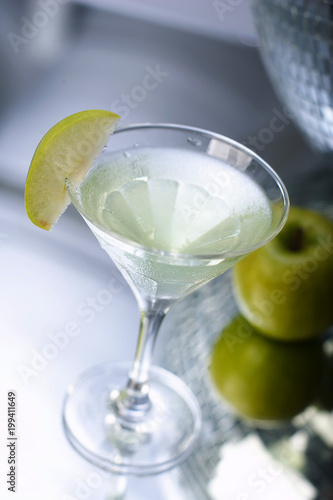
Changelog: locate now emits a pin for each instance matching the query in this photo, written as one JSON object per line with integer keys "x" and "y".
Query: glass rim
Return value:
{"x": 133, "y": 245}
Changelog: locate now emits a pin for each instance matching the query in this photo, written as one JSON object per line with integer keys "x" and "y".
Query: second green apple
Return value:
{"x": 285, "y": 289}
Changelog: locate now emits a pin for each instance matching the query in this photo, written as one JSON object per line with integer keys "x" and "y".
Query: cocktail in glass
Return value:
{"x": 174, "y": 207}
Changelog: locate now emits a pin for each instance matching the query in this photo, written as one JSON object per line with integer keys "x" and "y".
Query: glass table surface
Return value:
{"x": 232, "y": 460}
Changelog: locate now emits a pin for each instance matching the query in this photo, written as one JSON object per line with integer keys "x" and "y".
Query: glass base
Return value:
{"x": 161, "y": 439}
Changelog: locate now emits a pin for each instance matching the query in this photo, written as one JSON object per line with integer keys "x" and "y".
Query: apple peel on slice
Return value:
{"x": 67, "y": 150}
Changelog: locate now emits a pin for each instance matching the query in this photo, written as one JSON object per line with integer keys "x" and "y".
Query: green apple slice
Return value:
{"x": 67, "y": 150}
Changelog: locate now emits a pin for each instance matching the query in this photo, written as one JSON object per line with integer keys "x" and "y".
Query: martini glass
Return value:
{"x": 174, "y": 207}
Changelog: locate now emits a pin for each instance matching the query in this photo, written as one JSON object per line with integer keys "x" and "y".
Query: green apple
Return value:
{"x": 261, "y": 378}
{"x": 285, "y": 288}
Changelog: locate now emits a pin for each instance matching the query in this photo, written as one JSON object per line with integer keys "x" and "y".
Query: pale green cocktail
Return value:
{"x": 174, "y": 207}
{"x": 177, "y": 201}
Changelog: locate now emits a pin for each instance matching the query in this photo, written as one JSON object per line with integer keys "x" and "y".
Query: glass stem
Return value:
{"x": 134, "y": 401}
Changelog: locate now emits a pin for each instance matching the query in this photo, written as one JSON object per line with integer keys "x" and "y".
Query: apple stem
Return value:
{"x": 297, "y": 240}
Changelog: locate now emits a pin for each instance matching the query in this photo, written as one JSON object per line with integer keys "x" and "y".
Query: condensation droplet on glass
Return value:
{"x": 194, "y": 141}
